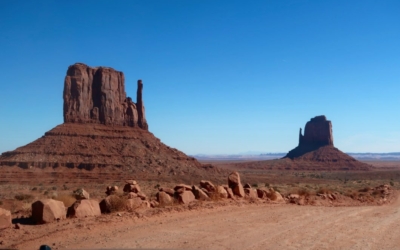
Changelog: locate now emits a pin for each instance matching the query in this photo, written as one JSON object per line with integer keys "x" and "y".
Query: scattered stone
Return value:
{"x": 279, "y": 198}
{"x": 111, "y": 190}
{"x": 131, "y": 182}
{"x": 186, "y": 197}
{"x": 230, "y": 193}
{"x": 169, "y": 191}
{"x": 84, "y": 208}
{"x": 132, "y": 195}
{"x": 235, "y": 185}
{"x": 199, "y": 194}
{"x": 48, "y": 210}
{"x": 261, "y": 193}
{"x": 222, "y": 192}
{"x": 207, "y": 185}
{"x": 141, "y": 195}
{"x": 135, "y": 188}
{"x": 183, "y": 186}
{"x": 154, "y": 204}
{"x": 133, "y": 204}
{"x": 81, "y": 194}
{"x": 164, "y": 199}
{"x": 251, "y": 193}
{"x": 108, "y": 204}
{"x": 17, "y": 226}
{"x": 180, "y": 190}
{"x": 5, "y": 218}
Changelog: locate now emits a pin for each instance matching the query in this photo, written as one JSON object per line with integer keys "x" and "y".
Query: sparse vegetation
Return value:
{"x": 24, "y": 197}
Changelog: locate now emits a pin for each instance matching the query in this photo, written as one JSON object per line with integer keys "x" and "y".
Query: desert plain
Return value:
{"x": 102, "y": 180}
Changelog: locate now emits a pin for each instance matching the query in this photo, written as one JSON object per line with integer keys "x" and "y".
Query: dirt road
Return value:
{"x": 233, "y": 227}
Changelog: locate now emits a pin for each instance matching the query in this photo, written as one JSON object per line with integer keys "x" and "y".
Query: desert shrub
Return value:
{"x": 366, "y": 189}
{"x": 65, "y": 187}
{"x": 54, "y": 188}
{"x": 22, "y": 197}
{"x": 68, "y": 200}
{"x": 391, "y": 183}
{"x": 117, "y": 203}
{"x": 255, "y": 185}
{"x": 1, "y": 203}
{"x": 266, "y": 184}
{"x": 157, "y": 186}
{"x": 34, "y": 188}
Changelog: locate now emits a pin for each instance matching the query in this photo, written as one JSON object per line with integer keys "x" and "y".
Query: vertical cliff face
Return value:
{"x": 97, "y": 95}
{"x": 318, "y": 132}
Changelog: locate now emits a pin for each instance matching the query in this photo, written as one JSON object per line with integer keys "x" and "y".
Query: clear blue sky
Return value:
{"x": 219, "y": 76}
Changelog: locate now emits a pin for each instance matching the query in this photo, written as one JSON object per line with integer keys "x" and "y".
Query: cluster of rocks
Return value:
{"x": 135, "y": 198}
{"x": 206, "y": 190}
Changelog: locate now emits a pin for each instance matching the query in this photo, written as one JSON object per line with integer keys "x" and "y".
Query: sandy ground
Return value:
{"x": 234, "y": 226}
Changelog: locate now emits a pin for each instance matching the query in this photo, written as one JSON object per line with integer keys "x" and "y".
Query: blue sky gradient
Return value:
{"x": 219, "y": 76}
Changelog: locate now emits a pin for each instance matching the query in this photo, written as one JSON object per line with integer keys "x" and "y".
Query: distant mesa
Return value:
{"x": 316, "y": 146}
{"x": 103, "y": 129}
{"x": 315, "y": 152}
{"x": 317, "y": 133}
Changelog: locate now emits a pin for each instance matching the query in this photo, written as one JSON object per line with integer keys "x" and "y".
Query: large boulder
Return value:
{"x": 135, "y": 188}
{"x": 261, "y": 193}
{"x": 48, "y": 210}
{"x": 251, "y": 193}
{"x": 186, "y": 197}
{"x": 112, "y": 203}
{"x": 199, "y": 194}
{"x": 183, "y": 186}
{"x": 169, "y": 191}
{"x": 84, "y": 208}
{"x": 5, "y": 218}
{"x": 230, "y": 193}
{"x": 235, "y": 184}
{"x": 222, "y": 192}
{"x": 163, "y": 198}
{"x": 207, "y": 185}
{"x": 133, "y": 204}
